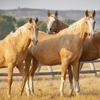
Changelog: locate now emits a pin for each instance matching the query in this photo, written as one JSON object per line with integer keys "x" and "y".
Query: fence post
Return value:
{"x": 93, "y": 68}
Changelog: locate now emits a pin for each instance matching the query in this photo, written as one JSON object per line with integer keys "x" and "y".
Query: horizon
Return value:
{"x": 49, "y": 9}
{"x": 51, "y": 4}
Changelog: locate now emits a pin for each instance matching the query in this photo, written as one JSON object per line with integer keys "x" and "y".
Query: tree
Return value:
{"x": 21, "y": 22}
{"x": 42, "y": 26}
{"x": 6, "y": 25}
{"x": 69, "y": 21}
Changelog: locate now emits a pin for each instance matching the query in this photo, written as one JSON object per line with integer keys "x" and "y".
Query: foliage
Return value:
{"x": 6, "y": 25}
{"x": 21, "y": 21}
{"x": 42, "y": 26}
{"x": 9, "y": 23}
{"x": 69, "y": 21}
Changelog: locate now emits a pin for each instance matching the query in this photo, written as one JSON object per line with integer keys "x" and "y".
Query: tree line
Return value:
{"x": 9, "y": 23}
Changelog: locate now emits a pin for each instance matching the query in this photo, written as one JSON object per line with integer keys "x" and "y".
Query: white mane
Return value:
{"x": 75, "y": 25}
{"x": 20, "y": 30}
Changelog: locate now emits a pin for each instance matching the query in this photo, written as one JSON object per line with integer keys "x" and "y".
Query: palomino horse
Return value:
{"x": 42, "y": 36}
{"x": 13, "y": 50}
{"x": 64, "y": 48}
{"x": 54, "y": 24}
{"x": 90, "y": 48}
{"x": 91, "y": 51}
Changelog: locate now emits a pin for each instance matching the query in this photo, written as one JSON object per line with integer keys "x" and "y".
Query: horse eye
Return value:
{"x": 86, "y": 22}
{"x": 94, "y": 21}
{"x": 37, "y": 28}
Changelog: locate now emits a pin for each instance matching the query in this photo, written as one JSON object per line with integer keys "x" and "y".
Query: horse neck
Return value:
{"x": 60, "y": 26}
{"x": 96, "y": 40}
{"x": 22, "y": 41}
{"x": 77, "y": 32}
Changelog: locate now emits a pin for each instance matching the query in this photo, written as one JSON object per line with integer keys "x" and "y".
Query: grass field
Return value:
{"x": 47, "y": 87}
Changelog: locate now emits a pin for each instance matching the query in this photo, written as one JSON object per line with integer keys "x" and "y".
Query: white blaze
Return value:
{"x": 51, "y": 22}
{"x": 35, "y": 33}
{"x": 90, "y": 22}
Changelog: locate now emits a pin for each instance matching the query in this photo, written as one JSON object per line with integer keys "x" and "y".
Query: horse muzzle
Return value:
{"x": 49, "y": 31}
{"x": 35, "y": 42}
{"x": 91, "y": 35}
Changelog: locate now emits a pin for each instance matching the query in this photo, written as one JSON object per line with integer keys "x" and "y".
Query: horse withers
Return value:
{"x": 64, "y": 48}
{"x": 13, "y": 50}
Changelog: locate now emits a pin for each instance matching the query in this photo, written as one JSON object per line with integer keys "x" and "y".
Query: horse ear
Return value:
{"x": 30, "y": 20}
{"x": 94, "y": 13}
{"x": 36, "y": 20}
{"x": 86, "y": 13}
{"x": 48, "y": 13}
{"x": 56, "y": 13}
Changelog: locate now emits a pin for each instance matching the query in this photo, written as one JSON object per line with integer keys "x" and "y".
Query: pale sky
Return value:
{"x": 51, "y": 4}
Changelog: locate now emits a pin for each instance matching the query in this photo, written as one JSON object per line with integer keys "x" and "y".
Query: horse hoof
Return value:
{"x": 28, "y": 94}
{"x": 70, "y": 93}
{"x": 77, "y": 93}
{"x": 62, "y": 95}
{"x": 32, "y": 93}
{"x": 20, "y": 93}
{"x": 9, "y": 95}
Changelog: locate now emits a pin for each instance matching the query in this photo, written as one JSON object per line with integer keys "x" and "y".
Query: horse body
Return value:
{"x": 64, "y": 48}
{"x": 91, "y": 48}
{"x": 13, "y": 50}
{"x": 50, "y": 55}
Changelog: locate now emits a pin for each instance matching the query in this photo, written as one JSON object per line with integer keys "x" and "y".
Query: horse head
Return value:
{"x": 33, "y": 30}
{"x": 52, "y": 22}
{"x": 90, "y": 23}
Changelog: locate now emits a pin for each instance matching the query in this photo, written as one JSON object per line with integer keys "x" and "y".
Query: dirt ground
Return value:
{"x": 47, "y": 87}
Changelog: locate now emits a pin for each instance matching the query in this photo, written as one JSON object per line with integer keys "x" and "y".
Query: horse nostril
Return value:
{"x": 89, "y": 34}
{"x": 50, "y": 29}
{"x": 93, "y": 35}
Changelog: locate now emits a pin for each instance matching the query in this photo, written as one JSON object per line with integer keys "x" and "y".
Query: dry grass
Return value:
{"x": 47, "y": 87}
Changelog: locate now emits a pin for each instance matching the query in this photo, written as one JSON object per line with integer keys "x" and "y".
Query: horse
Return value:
{"x": 65, "y": 48}
{"x": 91, "y": 51}
{"x": 54, "y": 24}
{"x": 13, "y": 50}
{"x": 42, "y": 36}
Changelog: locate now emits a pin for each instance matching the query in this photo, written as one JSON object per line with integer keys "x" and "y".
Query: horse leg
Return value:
{"x": 10, "y": 80}
{"x": 27, "y": 67}
{"x": 81, "y": 65}
{"x": 75, "y": 65}
{"x": 32, "y": 72}
{"x": 22, "y": 71}
{"x": 39, "y": 68}
{"x": 64, "y": 67}
{"x": 70, "y": 73}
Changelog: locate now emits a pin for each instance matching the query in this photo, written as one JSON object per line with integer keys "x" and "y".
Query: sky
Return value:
{"x": 51, "y": 4}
